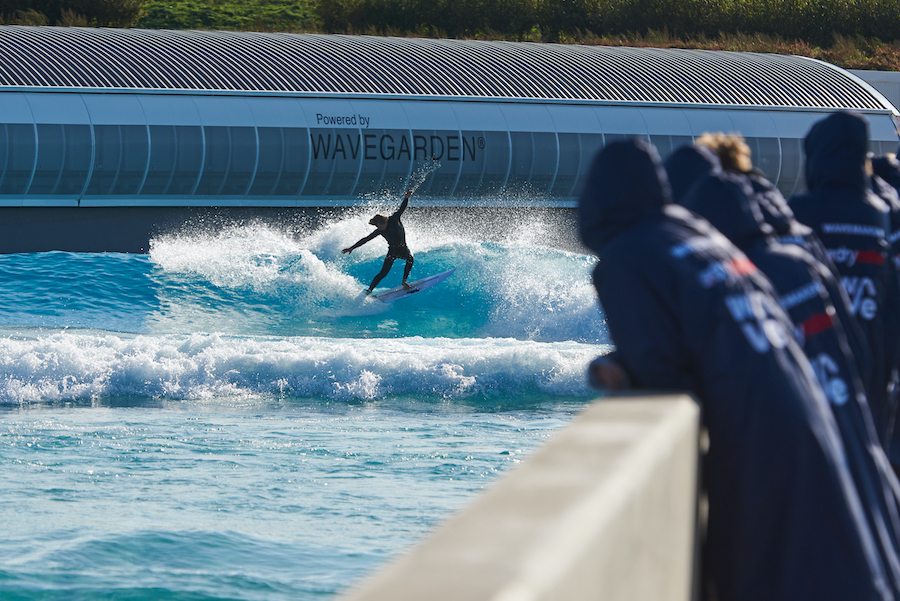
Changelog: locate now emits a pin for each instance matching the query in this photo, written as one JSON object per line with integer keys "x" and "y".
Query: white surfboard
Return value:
{"x": 389, "y": 296}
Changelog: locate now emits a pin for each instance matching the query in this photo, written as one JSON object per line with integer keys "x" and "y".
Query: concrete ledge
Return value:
{"x": 604, "y": 510}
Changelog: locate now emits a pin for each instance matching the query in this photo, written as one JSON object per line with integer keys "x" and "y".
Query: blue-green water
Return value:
{"x": 229, "y": 417}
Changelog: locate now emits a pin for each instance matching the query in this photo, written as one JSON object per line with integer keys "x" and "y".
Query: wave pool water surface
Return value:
{"x": 229, "y": 417}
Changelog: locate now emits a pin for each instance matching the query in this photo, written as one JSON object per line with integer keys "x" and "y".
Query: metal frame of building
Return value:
{"x": 139, "y": 118}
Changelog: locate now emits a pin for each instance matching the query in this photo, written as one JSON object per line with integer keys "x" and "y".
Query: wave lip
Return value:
{"x": 257, "y": 281}
{"x": 77, "y": 366}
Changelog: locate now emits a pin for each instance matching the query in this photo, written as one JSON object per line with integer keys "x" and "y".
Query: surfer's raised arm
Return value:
{"x": 403, "y": 204}
{"x": 362, "y": 241}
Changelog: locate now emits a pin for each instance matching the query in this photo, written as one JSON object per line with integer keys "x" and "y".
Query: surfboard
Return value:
{"x": 389, "y": 296}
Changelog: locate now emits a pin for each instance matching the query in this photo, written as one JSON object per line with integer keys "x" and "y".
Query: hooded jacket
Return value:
{"x": 688, "y": 311}
{"x": 888, "y": 169}
{"x": 777, "y": 213}
{"x": 691, "y": 164}
{"x": 853, "y": 224}
{"x": 687, "y": 166}
{"x": 886, "y": 184}
{"x": 799, "y": 279}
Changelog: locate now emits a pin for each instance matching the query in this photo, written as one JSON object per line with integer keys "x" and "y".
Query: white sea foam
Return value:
{"x": 66, "y": 365}
{"x": 256, "y": 311}
{"x": 261, "y": 281}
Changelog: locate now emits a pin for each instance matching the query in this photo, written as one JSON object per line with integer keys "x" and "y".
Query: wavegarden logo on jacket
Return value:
{"x": 693, "y": 246}
{"x": 802, "y": 294}
{"x": 854, "y": 229}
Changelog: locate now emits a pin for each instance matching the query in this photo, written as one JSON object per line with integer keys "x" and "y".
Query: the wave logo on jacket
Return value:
{"x": 828, "y": 374}
{"x": 757, "y": 314}
{"x": 863, "y": 296}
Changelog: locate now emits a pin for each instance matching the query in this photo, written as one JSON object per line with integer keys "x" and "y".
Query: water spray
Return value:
{"x": 418, "y": 177}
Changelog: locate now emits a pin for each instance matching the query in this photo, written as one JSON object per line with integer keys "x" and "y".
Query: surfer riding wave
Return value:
{"x": 392, "y": 230}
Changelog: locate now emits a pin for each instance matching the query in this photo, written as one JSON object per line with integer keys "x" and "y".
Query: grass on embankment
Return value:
{"x": 238, "y": 15}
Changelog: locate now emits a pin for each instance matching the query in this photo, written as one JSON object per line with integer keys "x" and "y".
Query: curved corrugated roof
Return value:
{"x": 135, "y": 59}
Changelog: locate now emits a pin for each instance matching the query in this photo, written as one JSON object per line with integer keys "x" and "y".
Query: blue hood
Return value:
{"x": 725, "y": 201}
{"x": 625, "y": 184}
{"x": 888, "y": 169}
{"x": 774, "y": 208}
{"x": 836, "y": 150}
{"x": 687, "y": 166}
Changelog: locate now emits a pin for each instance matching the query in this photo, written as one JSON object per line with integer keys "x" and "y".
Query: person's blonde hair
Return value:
{"x": 733, "y": 152}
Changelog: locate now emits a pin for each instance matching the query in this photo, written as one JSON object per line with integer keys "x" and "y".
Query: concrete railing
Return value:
{"x": 605, "y": 510}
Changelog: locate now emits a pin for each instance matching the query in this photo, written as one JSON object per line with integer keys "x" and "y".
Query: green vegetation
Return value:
{"x": 847, "y": 52}
{"x": 814, "y": 21}
{"x": 862, "y": 34}
{"x": 237, "y": 15}
{"x": 96, "y": 13}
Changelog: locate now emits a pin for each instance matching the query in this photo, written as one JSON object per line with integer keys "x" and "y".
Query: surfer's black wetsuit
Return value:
{"x": 395, "y": 235}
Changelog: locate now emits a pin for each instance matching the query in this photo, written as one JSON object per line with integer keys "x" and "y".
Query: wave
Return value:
{"x": 80, "y": 290}
{"x": 256, "y": 311}
{"x": 53, "y": 366}
{"x": 255, "y": 280}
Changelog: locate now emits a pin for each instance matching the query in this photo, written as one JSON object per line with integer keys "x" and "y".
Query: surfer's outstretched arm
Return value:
{"x": 371, "y": 236}
{"x": 403, "y": 204}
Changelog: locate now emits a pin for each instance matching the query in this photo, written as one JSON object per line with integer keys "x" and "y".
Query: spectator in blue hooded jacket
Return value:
{"x": 731, "y": 154}
{"x": 726, "y": 201}
{"x": 886, "y": 184}
{"x": 854, "y": 224}
{"x": 688, "y": 311}
{"x": 735, "y": 157}
{"x": 889, "y": 194}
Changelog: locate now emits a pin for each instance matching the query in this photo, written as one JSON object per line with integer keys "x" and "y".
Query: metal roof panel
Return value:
{"x": 315, "y": 64}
